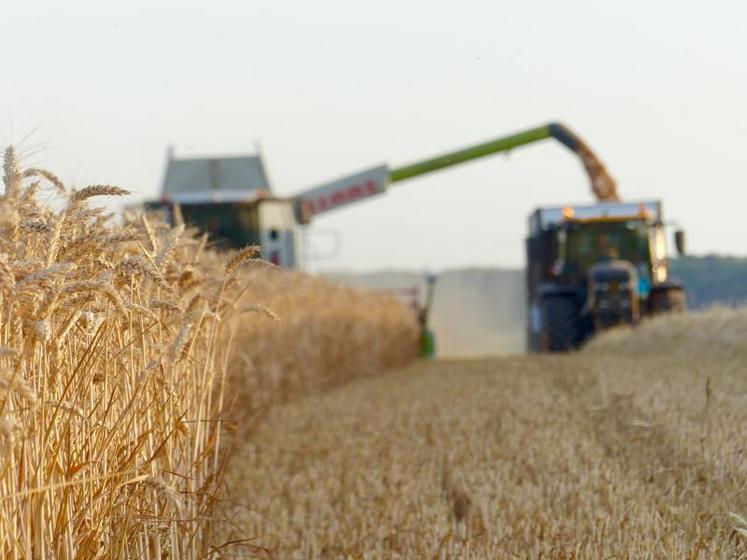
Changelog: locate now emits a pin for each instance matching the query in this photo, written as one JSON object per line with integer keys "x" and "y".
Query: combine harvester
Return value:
{"x": 588, "y": 267}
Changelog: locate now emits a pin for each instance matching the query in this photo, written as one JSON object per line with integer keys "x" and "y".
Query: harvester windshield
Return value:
{"x": 232, "y": 225}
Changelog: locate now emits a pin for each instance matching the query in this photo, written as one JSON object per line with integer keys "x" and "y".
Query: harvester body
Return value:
{"x": 593, "y": 267}
{"x": 230, "y": 198}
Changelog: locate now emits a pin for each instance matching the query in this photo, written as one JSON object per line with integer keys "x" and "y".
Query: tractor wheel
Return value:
{"x": 668, "y": 300}
{"x": 562, "y": 325}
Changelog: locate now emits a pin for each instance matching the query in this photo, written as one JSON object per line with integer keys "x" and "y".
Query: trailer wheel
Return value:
{"x": 561, "y": 323}
{"x": 668, "y": 300}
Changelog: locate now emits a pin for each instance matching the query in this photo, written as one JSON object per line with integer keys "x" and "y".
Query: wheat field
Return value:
{"x": 131, "y": 355}
{"x": 326, "y": 334}
{"x": 632, "y": 448}
{"x": 162, "y": 400}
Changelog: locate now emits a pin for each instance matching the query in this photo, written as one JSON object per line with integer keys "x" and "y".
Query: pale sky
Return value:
{"x": 659, "y": 90}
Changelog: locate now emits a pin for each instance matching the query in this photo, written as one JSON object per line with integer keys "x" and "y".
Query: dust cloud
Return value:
{"x": 476, "y": 312}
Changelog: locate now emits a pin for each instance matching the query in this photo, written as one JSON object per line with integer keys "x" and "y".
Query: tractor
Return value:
{"x": 590, "y": 268}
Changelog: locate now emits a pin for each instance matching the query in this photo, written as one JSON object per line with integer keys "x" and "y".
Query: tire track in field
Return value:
{"x": 674, "y": 472}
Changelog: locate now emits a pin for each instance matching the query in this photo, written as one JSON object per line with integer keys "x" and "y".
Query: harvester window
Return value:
{"x": 229, "y": 224}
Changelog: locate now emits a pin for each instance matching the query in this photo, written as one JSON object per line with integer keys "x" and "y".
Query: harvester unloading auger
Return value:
{"x": 374, "y": 181}
{"x": 602, "y": 184}
{"x": 588, "y": 267}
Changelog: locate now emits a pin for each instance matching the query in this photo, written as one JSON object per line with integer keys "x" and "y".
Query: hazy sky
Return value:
{"x": 659, "y": 89}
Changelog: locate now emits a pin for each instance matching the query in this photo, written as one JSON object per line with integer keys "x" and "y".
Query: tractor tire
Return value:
{"x": 561, "y": 324}
{"x": 667, "y": 300}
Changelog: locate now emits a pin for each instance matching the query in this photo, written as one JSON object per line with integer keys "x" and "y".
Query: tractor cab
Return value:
{"x": 638, "y": 240}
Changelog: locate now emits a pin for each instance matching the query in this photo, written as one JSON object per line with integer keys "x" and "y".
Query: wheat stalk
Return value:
{"x": 97, "y": 190}
{"x": 48, "y": 175}
{"x": 11, "y": 172}
{"x": 240, "y": 257}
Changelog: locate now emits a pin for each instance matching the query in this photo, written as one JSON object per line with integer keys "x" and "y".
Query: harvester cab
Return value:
{"x": 230, "y": 198}
{"x": 593, "y": 267}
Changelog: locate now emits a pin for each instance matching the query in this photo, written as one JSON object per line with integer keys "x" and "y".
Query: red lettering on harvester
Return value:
{"x": 345, "y": 194}
{"x": 371, "y": 187}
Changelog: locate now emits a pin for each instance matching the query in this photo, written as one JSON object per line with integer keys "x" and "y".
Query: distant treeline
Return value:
{"x": 712, "y": 280}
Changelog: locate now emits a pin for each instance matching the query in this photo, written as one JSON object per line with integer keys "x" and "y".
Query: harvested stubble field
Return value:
{"x": 117, "y": 344}
{"x": 633, "y": 448}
